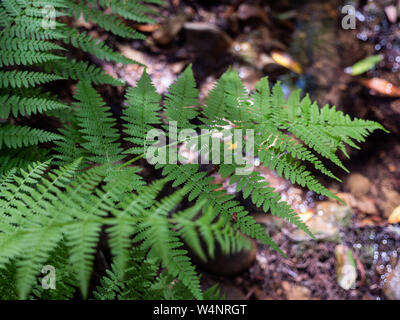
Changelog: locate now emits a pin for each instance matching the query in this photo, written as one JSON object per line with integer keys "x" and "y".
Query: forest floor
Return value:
{"x": 303, "y": 45}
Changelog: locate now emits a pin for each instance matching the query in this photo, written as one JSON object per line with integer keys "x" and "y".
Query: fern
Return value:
{"x": 209, "y": 226}
{"x": 96, "y": 126}
{"x": 56, "y": 200}
{"x": 33, "y": 58}
{"x": 17, "y": 137}
{"x": 181, "y": 99}
{"x": 19, "y": 79}
{"x": 141, "y": 113}
{"x": 36, "y": 220}
{"x": 26, "y": 106}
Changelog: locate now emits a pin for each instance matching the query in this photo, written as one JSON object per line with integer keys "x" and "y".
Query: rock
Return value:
{"x": 295, "y": 292}
{"x": 391, "y": 13}
{"x": 348, "y": 198}
{"x": 326, "y": 222}
{"x": 335, "y": 213}
{"x": 390, "y": 202}
{"x": 367, "y": 205}
{"x": 205, "y": 38}
{"x": 169, "y": 30}
{"x": 364, "y": 204}
{"x": 358, "y": 184}
{"x": 228, "y": 265}
{"x": 395, "y": 216}
{"x": 391, "y": 287}
{"x": 320, "y": 228}
{"x": 346, "y": 268}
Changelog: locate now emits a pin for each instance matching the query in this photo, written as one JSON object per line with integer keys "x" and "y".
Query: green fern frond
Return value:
{"x": 158, "y": 237}
{"x": 143, "y": 102}
{"x": 18, "y": 57}
{"x": 97, "y": 126}
{"x": 68, "y": 148}
{"x": 215, "y": 108}
{"x": 17, "y": 137}
{"x": 137, "y": 283}
{"x": 8, "y": 290}
{"x": 19, "y": 79}
{"x": 21, "y": 158}
{"x": 133, "y": 10}
{"x": 94, "y": 46}
{"x": 236, "y": 98}
{"x": 25, "y": 106}
{"x": 65, "y": 281}
{"x": 255, "y": 186}
{"x": 208, "y": 228}
{"x": 13, "y": 44}
{"x": 108, "y": 22}
{"x": 181, "y": 99}
{"x": 199, "y": 185}
{"x": 83, "y": 71}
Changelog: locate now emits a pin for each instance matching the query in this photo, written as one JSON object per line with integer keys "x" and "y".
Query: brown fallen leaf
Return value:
{"x": 146, "y": 27}
{"x": 395, "y": 216}
{"x": 286, "y": 61}
{"x": 381, "y": 86}
{"x": 132, "y": 54}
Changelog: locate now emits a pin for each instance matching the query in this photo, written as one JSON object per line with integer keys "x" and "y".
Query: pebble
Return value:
{"x": 229, "y": 265}
{"x": 295, "y": 292}
{"x": 392, "y": 285}
{"x": 358, "y": 184}
{"x": 326, "y": 222}
{"x": 207, "y": 38}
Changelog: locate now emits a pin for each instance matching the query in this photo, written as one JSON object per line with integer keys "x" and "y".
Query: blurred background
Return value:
{"x": 304, "y": 45}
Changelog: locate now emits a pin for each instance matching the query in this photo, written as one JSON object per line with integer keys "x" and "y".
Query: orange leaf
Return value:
{"x": 146, "y": 27}
{"x": 381, "y": 86}
{"x": 286, "y": 61}
{"x": 395, "y": 216}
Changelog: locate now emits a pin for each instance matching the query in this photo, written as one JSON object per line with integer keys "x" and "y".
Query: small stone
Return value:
{"x": 228, "y": 265}
{"x": 206, "y": 38}
{"x": 335, "y": 213}
{"x": 391, "y": 13}
{"x": 395, "y": 216}
{"x": 392, "y": 285}
{"x": 169, "y": 30}
{"x": 295, "y": 292}
{"x": 358, "y": 184}
{"x": 390, "y": 201}
{"x": 320, "y": 228}
{"x": 346, "y": 269}
{"x": 326, "y": 222}
{"x": 348, "y": 198}
{"x": 367, "y": 205}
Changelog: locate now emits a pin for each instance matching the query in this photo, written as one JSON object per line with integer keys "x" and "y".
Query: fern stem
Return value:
{"x": 131, "y": 161}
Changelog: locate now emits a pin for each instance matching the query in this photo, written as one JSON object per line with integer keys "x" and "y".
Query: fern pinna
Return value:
{"x": 58, "y": 203}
